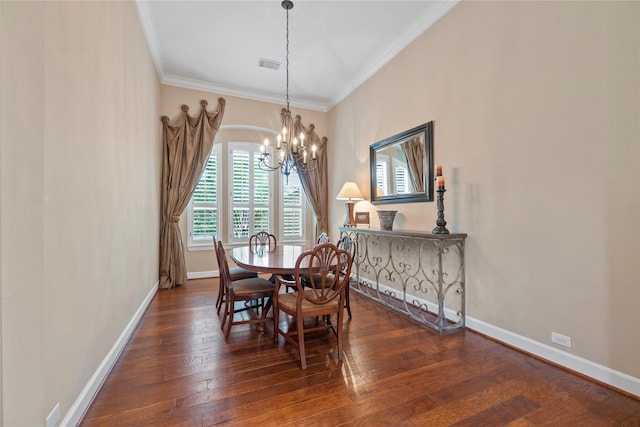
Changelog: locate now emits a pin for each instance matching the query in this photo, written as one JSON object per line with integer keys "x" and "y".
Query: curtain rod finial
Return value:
{"x": 204, "y": 103}
{"x": 185, "y": 108}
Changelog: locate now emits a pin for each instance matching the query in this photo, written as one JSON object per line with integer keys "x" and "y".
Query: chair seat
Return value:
{"x": 252, "y": 285}
{"x": 238, "y": 273}
{"x": 288, "y": 302}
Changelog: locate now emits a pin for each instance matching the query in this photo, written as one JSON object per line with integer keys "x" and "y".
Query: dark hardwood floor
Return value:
{"x": 177, "y": 370}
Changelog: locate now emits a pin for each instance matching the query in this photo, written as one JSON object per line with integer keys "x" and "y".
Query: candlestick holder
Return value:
{"x": 440, "y": 222}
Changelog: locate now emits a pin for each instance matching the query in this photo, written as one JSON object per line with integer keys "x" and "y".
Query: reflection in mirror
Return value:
{"x": 402, "y": 167}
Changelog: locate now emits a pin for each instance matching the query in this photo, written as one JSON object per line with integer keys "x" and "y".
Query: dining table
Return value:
{"x": 280, "y": 261}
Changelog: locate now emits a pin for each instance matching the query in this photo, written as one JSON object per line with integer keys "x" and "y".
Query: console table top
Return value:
{"x": 404, "y": 233}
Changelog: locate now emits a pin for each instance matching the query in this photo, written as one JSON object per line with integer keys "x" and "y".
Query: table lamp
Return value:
{"x": 349, "y": 192}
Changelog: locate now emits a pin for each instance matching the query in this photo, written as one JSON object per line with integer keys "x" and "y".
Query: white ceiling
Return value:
{"x": 334, "y": 46}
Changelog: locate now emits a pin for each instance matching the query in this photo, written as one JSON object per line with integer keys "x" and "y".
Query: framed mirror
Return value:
{"x": 402, "y": 167}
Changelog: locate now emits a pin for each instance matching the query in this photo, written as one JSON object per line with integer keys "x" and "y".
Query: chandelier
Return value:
{"x": 292, "y": 154}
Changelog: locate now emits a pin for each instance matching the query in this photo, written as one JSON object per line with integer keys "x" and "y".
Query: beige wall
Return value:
{"x": 239, "y": 113}
{"x": 536, "y": 108}
{"x": 80, "y": 172}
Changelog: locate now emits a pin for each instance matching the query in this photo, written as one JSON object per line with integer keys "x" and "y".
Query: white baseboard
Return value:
{"x": 449, "y": 314}
{"x": 84, "y": 399}
{"x": 203, "y": 274}
{"x": 575, "y": 363}
{"x": 570, "y": 361}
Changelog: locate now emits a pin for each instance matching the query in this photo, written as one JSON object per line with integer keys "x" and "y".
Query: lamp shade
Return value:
{"x": 350, "y": 191}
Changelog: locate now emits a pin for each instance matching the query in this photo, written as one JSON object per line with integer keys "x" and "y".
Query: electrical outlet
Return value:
{"x": 53, "y": 417}
{"x": 561, "y": 339}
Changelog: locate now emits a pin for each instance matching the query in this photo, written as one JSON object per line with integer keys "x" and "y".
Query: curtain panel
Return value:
{"x": 414, "y": 152}
{"x": 186, "y": 147}
{"x": 315, "y": 181}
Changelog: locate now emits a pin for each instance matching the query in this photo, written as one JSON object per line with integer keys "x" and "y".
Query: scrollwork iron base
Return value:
{"x": 420, "y": 275}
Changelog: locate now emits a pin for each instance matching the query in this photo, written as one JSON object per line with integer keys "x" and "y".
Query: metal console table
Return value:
{"x": 418, "y": 274}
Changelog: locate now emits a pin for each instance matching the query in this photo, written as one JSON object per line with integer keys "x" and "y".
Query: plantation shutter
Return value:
{"x": 381, "y": 177}
{"x": 251, "y": 193}
{"x": 401, "y": 180}
{"x": 292, "y": 208}
{"x": 261, "y": 196}
{"x": 240, "y": 194}
{"x": 205, "y": 208}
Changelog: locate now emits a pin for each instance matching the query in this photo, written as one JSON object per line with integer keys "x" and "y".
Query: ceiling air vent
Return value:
{"x": 268, "y": 63}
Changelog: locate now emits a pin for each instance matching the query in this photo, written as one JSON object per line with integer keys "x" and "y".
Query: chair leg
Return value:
{"x": 230, "y": 311}
{"x": 303, "y": 356}
{"x": 339, "y": 333}
{"x": 267, "y": 307}
{"x": 226, "y": 314}
{"x": 276, "y": 319}
{"x": 346, "y": 298}
{"x": 221, "y": 298}
{"x": 262, "y": 312}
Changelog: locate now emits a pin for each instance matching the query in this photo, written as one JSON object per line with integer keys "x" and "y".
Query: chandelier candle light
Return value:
{"x": 292, "y": 153}
{"x": 440, "y": 222}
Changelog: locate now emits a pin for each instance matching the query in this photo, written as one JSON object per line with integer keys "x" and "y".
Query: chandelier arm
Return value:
{"x": 263, "y": 165}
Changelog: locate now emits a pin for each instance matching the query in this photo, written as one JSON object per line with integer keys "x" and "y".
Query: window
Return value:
{"x": 402, "y": 180}
{"x": 202, "y": 212}
{"x": 293, "y": 208}
{"x": 250, "y": 199}
{"x": 381, "y": 174}
{"x": 247, "y": 201}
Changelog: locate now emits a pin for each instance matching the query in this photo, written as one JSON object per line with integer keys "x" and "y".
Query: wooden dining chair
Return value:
{"x": 236, "y": 273}
{"x": 322, "y": 238}
{"x": 324, "y": 296}
{"x": 347, "y": 244}
{"x": 263, "y": 241}
{"x": 253, "y": 291}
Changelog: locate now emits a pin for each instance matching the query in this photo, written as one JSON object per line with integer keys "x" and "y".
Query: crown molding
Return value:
{"x": 239, "y": 92}
{"x": 149, "y": 30}
{"x": 439, "y": 10}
